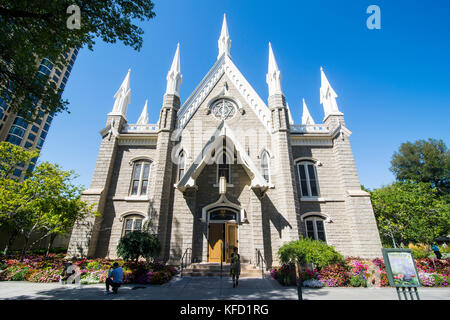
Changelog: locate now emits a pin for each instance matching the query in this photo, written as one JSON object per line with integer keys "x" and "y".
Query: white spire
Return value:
{"x": 224, "y": 39}
{"x": 122, "y": 96}
{"x": 306, "y": 116}
{"x": 273, "y": 77}
{"x": 291, "y": 120}
{"x": 174, "y": 77}
{"x": 143, "y": 119}
{"x": 328, "y": 96}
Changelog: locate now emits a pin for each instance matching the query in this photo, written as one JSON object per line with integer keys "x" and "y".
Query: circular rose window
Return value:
{"x": 224, "y": 109}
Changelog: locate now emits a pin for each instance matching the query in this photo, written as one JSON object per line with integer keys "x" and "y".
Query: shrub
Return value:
{"x": 159, "y": 277}
{"x": 306, "y": 251}
{"x": 444, "y": 249}
{"x": 138, "y": 244}
{"x": 285, "y": 274}
{"x": 358, "y": 281}
{"x": 420, "y": 251}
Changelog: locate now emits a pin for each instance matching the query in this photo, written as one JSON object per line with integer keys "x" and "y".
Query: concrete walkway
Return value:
{"x": 200, "y": 288}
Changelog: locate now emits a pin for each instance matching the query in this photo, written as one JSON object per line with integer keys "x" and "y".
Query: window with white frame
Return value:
{"x": 181, "y": 165}
{"x": 315, "y": 228}
{"x": 132, "y": 223}
{"x": 308, "y": 179}
{"x": 224, "y": 162}
{"x": 265, "y": 166}
{"x": 139, "y": 181}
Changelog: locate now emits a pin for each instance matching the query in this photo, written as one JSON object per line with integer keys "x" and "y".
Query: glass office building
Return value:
{"x": 17, "y": 130}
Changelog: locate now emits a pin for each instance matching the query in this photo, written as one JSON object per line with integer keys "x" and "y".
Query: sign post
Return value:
{"x": 402, "y": 271}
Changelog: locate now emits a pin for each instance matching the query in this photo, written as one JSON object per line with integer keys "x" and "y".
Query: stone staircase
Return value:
{"x": 213, "y": 270}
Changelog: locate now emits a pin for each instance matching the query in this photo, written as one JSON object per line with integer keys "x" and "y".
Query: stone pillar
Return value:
{"x": 256, "y": 223}
{"x": 163, "y": 183}
{"x": 286, "y": 202}
{"x": 83, "y": 240}
{"x": 364, "y": 232}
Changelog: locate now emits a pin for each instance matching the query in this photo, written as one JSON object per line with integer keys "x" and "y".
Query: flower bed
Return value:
{"x": 38, "y": 268}
{"x": 356, "y": 272}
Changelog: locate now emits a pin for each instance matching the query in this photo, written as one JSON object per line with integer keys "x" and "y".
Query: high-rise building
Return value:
{"x": 31, "y": 135}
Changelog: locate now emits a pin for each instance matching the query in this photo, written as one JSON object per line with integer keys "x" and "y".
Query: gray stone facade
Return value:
{"x": 269, "y": 212}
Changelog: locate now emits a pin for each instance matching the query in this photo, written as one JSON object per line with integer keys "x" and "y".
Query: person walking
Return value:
{"x": 115, "y": 278}
{"x": 436, "y": 251}
{"x": 235, "y": 267}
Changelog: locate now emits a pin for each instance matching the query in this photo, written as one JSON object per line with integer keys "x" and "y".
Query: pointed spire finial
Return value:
{"x": 174, "y": 77}
{"x": 306, "y": 116}
{"x": 224, "y": 41}
{"x": 328, "y": 96}
{"x": 143, "y": 119}
{"x": 291, "y": 120}
{"x": 122, "y": 96}
{"x": 273, "y": 77}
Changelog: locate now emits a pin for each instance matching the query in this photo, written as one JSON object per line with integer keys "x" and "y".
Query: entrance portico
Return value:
{"x": 222, "y": 234}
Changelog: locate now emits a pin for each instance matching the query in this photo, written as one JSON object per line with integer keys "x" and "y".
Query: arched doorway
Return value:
{"x": 222, "y": 233}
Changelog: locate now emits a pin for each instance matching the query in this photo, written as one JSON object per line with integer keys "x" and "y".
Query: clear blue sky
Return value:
{"x": 393, "y": 84}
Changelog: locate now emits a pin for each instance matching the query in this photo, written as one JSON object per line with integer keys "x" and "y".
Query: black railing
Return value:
{"x": 260, "y": 261}
{"x": 221, "y": 258}
{"x": 186, "y": 259}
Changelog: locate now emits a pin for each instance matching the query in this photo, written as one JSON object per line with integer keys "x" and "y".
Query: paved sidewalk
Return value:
{"x": 199, "y": 288}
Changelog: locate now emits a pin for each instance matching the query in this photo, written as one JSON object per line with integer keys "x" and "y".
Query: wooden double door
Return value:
{"x": 222, "y": 238}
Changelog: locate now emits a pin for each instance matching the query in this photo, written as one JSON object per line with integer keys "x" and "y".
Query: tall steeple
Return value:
{"x": 273, "y": 77}
{"x": 122, "y": 97}
{"x": 291, "y": 120}
{"x": 174, "y": 77}
{"x": 224, "y": 39}
{"x": 328, "y": 96}
{"x": 143, "y": 119}
{"x": 306, "y": 116}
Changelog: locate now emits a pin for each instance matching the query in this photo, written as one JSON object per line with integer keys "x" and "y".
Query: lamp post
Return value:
{"x": 390, "y": 231}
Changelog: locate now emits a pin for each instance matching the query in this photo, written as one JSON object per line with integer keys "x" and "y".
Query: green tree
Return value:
{"x": 11, "y": 156}
{"x": 46, "y": 204}
{"x": 58, "y": 201}
{"x": 11, "y": 198}
{"x": 423, "y": 161}
{"x": 32, "y": 30}
{"x": 410, "y": 212}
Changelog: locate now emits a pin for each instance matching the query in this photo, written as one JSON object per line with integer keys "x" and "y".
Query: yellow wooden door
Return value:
{"x": 230, "y": 240}
{"x": 215, "y": 241}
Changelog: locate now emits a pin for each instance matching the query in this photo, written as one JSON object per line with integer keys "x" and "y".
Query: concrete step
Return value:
{"x": 214, "y": 270}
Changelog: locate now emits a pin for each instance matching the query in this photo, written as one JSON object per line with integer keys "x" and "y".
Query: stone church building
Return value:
{"x": 226, "y": 169}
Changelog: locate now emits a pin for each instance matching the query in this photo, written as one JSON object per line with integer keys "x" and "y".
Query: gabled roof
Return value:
{"x": 205, "y": 157}
{"x": 224, "y": 65}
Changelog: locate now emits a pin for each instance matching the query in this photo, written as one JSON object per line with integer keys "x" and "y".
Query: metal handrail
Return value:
{"x": 221, "y": 259}
{"x": 187, "y": 256}
{"x": 260, "y": 261}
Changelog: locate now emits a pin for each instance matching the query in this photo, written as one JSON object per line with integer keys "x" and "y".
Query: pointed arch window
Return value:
{"x": 140, "y": 177}
{"x": 224, "y": 162}
{"x": 265, "y": 166}
{"x": 315, "y": 228}
{"x": 132, "y": 223}
{"x": 308, "y": 179}
{"x": 181, "y": 165}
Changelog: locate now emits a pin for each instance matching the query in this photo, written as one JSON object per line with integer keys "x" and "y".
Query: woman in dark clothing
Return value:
{"x": 235, "y": 267}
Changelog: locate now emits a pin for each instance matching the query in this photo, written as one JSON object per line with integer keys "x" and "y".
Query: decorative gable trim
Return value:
{"x": 224, "y": 65}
